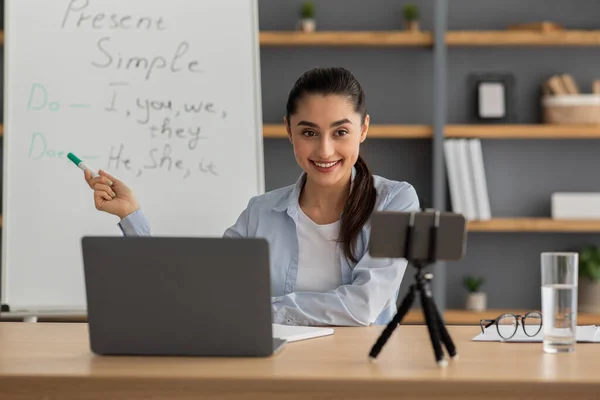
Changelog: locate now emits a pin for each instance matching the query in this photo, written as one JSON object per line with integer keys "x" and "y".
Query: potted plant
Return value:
{"x": 411, "y": 17}
{"x": 589, "y": 280}
{"x": 307, "y": 21}
{"x": 476, "y": 300}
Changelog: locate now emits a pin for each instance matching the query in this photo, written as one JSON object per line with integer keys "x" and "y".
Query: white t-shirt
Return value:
{"x": 319, "y": 262}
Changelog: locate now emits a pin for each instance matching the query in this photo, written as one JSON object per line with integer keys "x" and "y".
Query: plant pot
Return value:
{"x": 476, "y": 301}
{"x": 412, "y": 25}
{"x": 307, "y": 25}
{"x": 588, "y": 296}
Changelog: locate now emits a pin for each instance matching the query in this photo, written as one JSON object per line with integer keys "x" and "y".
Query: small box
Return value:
{"x": 576, "y": 205}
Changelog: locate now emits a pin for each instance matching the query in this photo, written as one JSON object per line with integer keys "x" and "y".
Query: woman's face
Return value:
{"x": 326, "y": 134}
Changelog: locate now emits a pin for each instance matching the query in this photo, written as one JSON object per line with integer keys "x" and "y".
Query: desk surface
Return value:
{"x": 54, "y": 359}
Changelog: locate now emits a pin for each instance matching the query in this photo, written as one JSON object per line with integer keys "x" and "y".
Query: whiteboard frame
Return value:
{"x": 257, "y": 100}
{"x": 7, "y": 107}
{"x": 5, "y": 139}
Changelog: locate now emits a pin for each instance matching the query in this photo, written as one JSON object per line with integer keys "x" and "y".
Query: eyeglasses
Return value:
{"x": 508, "y": 324}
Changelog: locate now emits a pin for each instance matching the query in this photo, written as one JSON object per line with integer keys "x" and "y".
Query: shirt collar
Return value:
{"x": 291, "y": 203}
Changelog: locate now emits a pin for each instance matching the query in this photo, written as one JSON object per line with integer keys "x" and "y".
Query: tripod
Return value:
{"x": 435, "y": 325}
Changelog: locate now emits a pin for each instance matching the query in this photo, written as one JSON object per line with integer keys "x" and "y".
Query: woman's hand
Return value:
{"x": 111, "y": 195}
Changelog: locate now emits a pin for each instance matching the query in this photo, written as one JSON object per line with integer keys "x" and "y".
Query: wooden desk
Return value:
{"x": 53, "y": 361}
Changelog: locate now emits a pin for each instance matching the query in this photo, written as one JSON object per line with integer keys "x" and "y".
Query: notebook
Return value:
{"x": 584, "y": 333}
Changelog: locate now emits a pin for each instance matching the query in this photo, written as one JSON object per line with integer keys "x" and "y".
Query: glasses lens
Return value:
{"x": 507, "y": 326}
{"x": 532, "y": 323}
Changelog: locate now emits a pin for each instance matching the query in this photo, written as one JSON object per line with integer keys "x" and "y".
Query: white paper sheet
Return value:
{"x": 584, "y": 333}
{"x": 294, "y": 333}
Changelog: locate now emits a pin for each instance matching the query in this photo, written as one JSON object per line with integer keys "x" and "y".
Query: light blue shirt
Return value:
{"x": 369, "y": 288}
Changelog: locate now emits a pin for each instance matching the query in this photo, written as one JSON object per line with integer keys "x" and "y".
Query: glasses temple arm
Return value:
{"x": 490, "y": 322}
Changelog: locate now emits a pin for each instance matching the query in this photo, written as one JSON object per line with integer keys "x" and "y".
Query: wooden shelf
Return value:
{"x": 539, "y": 131}
{"x": 425, "y": 39}
{"x": 533, "y": 225}
{"x": 464, "y": 317}
{"x": 346, "y": 38}
{"x": 518, "y": 131}
{"x": 523, "y": 38}
{"x": 375, "y": 131}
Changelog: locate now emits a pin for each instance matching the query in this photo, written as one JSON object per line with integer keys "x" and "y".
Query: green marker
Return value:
{"x": 81, "y": 165}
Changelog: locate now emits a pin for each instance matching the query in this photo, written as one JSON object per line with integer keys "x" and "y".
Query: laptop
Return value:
{"x": 168, "y": 296}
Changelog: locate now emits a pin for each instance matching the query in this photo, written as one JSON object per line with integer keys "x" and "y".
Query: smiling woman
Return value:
{"x": 318, "y": 229}
{"x": 329, "y": 126}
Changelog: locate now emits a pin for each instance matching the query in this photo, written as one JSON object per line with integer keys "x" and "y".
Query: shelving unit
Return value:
{"x": 442, "y": 40}
{"x": 489, "y": 41}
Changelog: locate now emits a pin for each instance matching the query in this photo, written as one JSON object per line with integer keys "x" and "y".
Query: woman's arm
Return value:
{"x": 375, "y": 282}
{"x": 135, "y": 224}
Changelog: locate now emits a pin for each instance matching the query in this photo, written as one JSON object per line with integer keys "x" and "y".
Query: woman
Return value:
{"x": 318, "y": 229}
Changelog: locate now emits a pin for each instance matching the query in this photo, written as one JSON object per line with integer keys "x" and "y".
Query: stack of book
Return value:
{"x": 466, "y": 178}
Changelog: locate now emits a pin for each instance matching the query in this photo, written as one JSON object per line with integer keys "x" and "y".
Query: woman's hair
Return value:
{"x": 361, "y": 201}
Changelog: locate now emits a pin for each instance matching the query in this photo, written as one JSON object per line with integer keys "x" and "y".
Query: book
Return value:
{"x": 479, "y": 179}
{"x": 466, "y": 179}
{"x": 453, "y": 176}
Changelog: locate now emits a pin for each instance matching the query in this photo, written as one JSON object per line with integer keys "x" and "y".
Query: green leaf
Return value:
{"x": 308, "y": 10}
{"x": 589, "y": 262}
{"x": 411, "y": 12}
{"x": 473, "y": 284}
{"x": 595, "y": 273}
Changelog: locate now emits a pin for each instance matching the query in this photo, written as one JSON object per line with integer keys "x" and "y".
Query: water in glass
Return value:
{"x": 559, "y": 310}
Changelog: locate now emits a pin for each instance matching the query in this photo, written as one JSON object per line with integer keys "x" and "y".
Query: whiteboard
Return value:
{"x": 164, "y": 95}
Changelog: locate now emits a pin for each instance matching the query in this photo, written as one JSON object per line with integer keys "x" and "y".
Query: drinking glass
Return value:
{"x": 559, "y": 300}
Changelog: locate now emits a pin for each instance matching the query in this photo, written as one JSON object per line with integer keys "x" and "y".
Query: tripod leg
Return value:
{"x": 387, "y": 332}
{"x": 432, "y": 326}
{"x": 446, "y": 339}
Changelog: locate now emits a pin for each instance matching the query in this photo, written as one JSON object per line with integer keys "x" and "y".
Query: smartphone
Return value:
{"x": 389, "y": 230}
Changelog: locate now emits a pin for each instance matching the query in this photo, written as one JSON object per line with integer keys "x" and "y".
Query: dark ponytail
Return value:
{"x": 361, "y": 201}
{"x": 359, "y": 207}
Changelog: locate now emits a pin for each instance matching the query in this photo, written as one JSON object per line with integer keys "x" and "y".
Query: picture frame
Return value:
{"x": 492, "y": 97}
